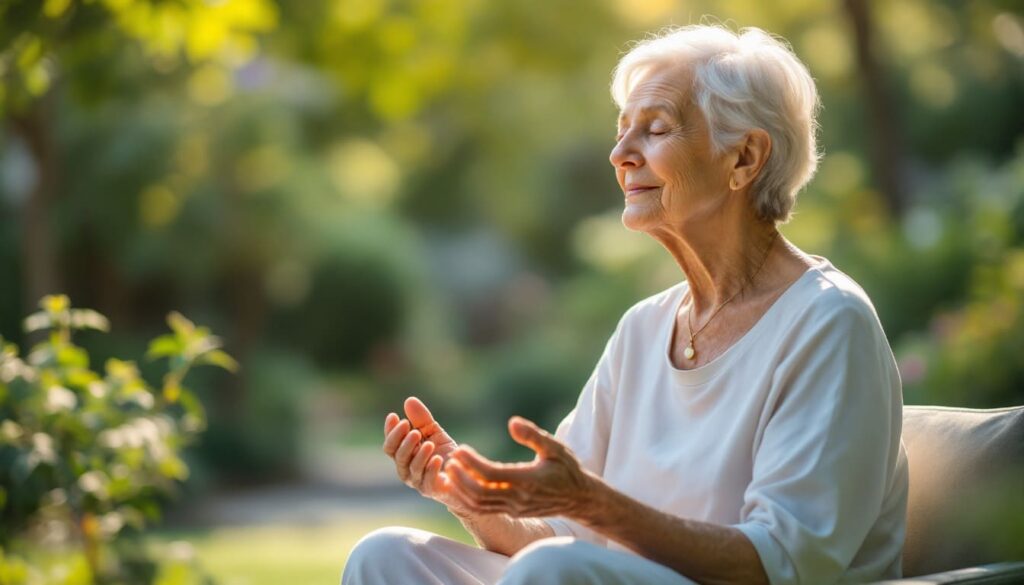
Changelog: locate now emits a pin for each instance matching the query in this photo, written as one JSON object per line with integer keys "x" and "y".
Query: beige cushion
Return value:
{"x": 966, "y": 485}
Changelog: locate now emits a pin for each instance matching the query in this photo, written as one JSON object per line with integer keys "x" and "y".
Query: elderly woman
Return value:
{"x": 742, "y": 426}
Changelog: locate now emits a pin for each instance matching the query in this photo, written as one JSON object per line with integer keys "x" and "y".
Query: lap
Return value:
{"x": 409, "y": 555}
{"x": 399, "y": 555}
{"x": 568, "y": 561}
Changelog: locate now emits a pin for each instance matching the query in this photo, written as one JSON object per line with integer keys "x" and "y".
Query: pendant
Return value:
{"x": 688, "y": 352}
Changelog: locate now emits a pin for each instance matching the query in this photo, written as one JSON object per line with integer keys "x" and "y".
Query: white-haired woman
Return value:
{"x": 742, "y": 426}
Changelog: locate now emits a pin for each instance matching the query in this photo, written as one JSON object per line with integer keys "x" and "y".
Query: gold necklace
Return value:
{"x": 690, "y": 352}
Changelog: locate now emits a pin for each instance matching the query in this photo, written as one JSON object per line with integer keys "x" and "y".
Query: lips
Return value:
{"x": 637, "y": 189}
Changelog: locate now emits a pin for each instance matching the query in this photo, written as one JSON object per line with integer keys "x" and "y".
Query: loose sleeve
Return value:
{"x": 827, "y": 454}
{"x": 586, "y": 428}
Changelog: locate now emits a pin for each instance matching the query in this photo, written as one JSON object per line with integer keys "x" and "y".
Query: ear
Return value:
{"x": 751, "y": 154}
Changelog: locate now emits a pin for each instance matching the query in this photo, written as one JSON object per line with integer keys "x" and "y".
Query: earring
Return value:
{"x": 733, "y": 185}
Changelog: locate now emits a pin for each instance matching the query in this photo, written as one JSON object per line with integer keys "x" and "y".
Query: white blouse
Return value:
{"x": 792, "y": 435}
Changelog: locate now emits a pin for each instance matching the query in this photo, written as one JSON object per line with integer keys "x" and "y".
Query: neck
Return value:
{"x": 721, "y": 257}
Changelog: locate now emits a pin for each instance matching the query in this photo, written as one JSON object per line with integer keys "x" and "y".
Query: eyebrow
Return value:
{"x": 660, "y": 107}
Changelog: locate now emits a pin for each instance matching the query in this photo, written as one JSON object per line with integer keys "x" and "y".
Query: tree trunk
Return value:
{"x": 40, "y": 264}
{"x": 886, "y": 140}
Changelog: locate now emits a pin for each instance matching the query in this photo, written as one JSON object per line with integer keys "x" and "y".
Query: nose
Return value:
{"x": 624, "y": 154}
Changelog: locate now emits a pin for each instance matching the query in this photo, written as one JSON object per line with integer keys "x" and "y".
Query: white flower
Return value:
{"x": 42, "y": 450}
{"x": 10, "y": 431}
{"x": 60, "y": 398}
{"x": 94, "y": 482}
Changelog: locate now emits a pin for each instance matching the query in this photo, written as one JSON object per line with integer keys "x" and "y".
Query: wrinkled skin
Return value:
{"x": 428, "y": 460}
{"x": 553, "y": 484}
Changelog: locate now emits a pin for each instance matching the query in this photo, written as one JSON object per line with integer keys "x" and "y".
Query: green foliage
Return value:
{"x": 376, "y": 198}
{"x": 969, "y": 352}
{"x": 87, "y": 456}
{"x": 37, "y": 38}
{"x": 416, "y": 194}
{"x": 260, "y": 438}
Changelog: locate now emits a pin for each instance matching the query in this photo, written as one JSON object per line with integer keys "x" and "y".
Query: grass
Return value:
{"x": 271, "y": 555}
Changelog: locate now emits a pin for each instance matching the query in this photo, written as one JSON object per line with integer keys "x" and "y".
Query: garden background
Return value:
{"x": 370, "y": 199}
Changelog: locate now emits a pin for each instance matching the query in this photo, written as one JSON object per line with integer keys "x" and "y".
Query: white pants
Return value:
{"x": 407, "y": 556}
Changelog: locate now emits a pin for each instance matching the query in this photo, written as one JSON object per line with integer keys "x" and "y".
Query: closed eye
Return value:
{"x": 659, "y": 129}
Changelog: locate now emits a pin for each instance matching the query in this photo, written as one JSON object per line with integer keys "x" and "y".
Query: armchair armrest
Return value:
{"x": 994, "y": 574}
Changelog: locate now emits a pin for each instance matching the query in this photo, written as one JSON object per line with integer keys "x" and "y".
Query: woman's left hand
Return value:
{"x": 553, "y": 484}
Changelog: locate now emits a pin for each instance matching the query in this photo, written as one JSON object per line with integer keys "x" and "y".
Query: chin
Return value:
{"x": 638, "y": 218}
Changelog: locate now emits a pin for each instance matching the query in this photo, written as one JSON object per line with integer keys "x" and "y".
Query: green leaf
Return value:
{"x": 219, "y": 358}
{"x": 172, "y": 390}
{"x": 121, "y": 488}
{"x": 164, "y": 346}
{"x": 31, "y": 52}
{"x": 71, "y": 356}
{"x": 79, "y": 573}
{"x": 133, "y": 457}
{"x": 122, "y": 370}
{"x": 38, "y": 79}
{"x": 8, "y": 350}
{"x": 15, "y": 571}
{"x": 149, "y": 509}
{"x": 55, "y": 8}
{"x": 195, "y": 416}
{"x": 174, "y": 468}
{"x": 81, "y": 377}
{"x": 179, "y": 324}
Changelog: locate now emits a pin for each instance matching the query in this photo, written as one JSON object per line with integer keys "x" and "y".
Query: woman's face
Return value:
{"x": 663, "y": 156}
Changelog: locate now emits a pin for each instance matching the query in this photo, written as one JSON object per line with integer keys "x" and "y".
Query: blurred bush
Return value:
{"x": 86, "y": 457}
{"x": 260, "y": 438}
{"x": 969, "y": 351}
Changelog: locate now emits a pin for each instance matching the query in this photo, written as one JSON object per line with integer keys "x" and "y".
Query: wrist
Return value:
{"x": 460, "y": 513}
{"x": 468, "y": 516}
{"x": 592, "y": 502}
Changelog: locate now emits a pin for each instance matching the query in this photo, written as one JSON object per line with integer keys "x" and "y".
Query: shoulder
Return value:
{"x": 832, "y": 311}
{"x": 830, "y": 296}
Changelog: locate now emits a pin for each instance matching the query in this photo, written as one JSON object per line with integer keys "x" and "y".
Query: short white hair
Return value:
{"x": 741, "y": 81}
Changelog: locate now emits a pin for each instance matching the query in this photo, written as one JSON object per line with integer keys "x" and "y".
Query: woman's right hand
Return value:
{"x": 420, "y": 447}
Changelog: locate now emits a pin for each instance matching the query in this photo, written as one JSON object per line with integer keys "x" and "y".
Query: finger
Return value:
{"x": 485, "y": 470}
{"x": 433, "y": 479}
{"x": 420, "y": 417}
{"x": 389, "y": 422}
{"x": 461, "y": 497}
{"x": 527, "y": 433}
{"x": 405, "y": 452}
{"x": 419, "y": 462}
{"x": 394, "y": 438}
{"x": 480, "y": 497}
{"x": 445, "y": 484}
{"x": 470, "y": 483}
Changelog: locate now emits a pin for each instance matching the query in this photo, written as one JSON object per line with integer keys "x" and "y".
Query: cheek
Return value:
{"x": 681, "y": 184}
{"x": 673, "y": 162}
{"x": 684, "y": 170}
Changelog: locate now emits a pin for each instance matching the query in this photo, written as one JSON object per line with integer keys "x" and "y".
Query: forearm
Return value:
{"x": 503, "y": 534}
{"x": 702, "y": 551}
